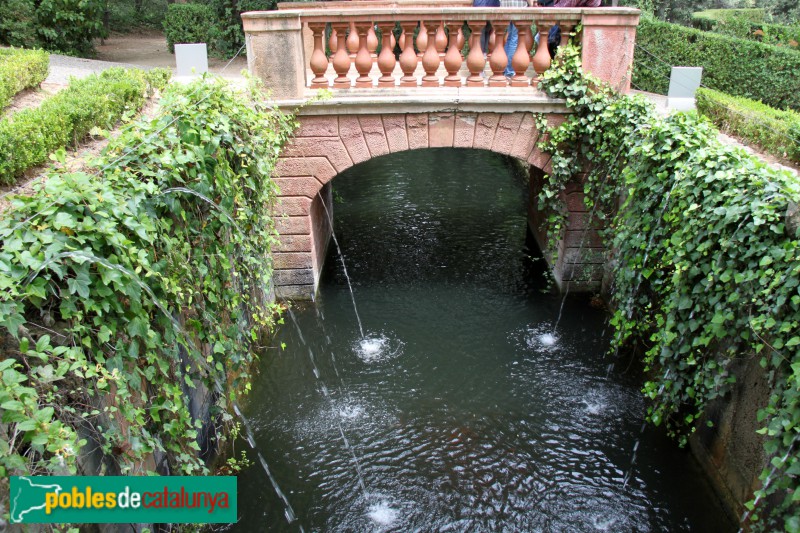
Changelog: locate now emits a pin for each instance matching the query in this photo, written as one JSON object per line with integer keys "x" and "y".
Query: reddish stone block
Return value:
{"x": 293, "y": 225}
{"x": 440, "y": 130}
{"x": 291, "y": 260}
{"x": 464, "y": 130}
{"x": 300, "y": 276}
{"x": 484, "y": 130}
{"x": 293, "y": 205}
{"x": 584, "y": 256}
{"x": 525, "y": 138}
{"x": 319, "y": 167}
{"x": 507, "y": 130}
{"x": 318, "y": 126}
{"x": 374, "y": 135}
{"x": 353, "y": 139}
{"x": 331, "y": 148}
{"x": 298, "y": 186}
{"x": 293, "y": 243}
{"x": 606, "y": 37}
{"x": 417, "y": 128}
{"x": 396, "y": 136}
{"x": 581, "y": 238}
{"x": 580, "y": 221}
{"x": 539, "y": 159}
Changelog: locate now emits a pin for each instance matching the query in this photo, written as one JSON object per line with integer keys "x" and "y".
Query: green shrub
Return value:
{"x": 190, "y": 23}
{"x": 67, "y": 26}
{"x": 734, "y": 66}
{"x": 18, "y": 23}
{"x": 29, "y": 136}
{"x": 706, "y": 20}
{"x": 747, "y": 24}
{"x": 230, "y": 36}
{"x": 21, "y": 69}
{"x": 129, "y": 15}
{"x": 775, "y": 131}
{"x": 70, "y": 26}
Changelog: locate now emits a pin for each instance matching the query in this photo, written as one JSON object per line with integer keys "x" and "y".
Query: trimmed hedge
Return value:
{"x": 190, "y": 23}
{"x": 21, "y": 69}
{"x": 734, "y": 66}
{"x": 29, "y": 136}
{"x": 747, "y": 24}
{"x": 705, "y": 20}
{"x": 777, "y": 132}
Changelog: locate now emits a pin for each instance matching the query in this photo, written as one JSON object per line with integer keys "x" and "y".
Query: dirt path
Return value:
{"x": 149, "y": 49}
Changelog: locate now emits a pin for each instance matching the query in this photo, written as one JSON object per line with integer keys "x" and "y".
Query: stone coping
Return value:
{"x": 441, "y": 99}
{"x": 460, "y": 13}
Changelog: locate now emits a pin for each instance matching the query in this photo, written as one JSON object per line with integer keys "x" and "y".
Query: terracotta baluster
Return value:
{"x": 352, "y": 40}
{"x": 490, "y": 44}
{"x": 363, "y": 57}
{"x": 475, "y": 60}
{"x": 521, "y": 59}
{"x": 459, "y": 37}
{"x": 386, "y": 60}
{"x": 441, "y": 40}
{"x": 408, "y": 59}
{"x": 422, "y": 39}
{"x": 452, "y": 59}
{"x": 402, "y": 39}
{"x": 372, "y": 41}
{"x": 318, "y": 62}
{"x": 341, "y": 59}
{"x": 566, "y": 29}
{"x": 499, "y": 59}
{"x": 528, "y": 40}
{"x": 541, "y": 59}
{"x": 333, "y": 41}
{"x": 430, "y": 61}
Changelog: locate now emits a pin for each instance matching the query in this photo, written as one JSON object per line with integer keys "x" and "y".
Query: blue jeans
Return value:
{"x": 512, "y": 40}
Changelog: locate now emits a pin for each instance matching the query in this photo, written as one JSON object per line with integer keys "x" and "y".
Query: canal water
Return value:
{"x": 462, "y": 410}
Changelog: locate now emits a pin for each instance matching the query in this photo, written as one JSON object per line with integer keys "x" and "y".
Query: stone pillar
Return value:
{"x": 580, "y": 256}
{"x": 275, "y": 51}
{"x": 607, "y": 45}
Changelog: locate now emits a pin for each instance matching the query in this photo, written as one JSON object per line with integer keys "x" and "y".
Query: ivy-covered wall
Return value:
{"x": 707, "y": 266}
{"x": 128, "y": 287}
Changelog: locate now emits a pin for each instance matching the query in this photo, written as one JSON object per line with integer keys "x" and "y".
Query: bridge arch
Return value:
{"x": 326, "y": 145}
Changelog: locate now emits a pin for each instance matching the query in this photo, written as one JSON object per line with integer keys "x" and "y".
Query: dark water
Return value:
{"x": 462, "y": 411}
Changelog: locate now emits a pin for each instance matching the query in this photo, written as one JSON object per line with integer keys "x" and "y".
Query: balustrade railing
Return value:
{"x": 355, "y": 48}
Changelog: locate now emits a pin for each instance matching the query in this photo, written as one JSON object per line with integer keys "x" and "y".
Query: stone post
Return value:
{"x": 275, "y": 51}
{"x": 607, "y": 45}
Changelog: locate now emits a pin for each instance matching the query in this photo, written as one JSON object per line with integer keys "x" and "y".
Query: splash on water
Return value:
{"x": 351, "y": 412}
{"x": 382, "y": 514}
{"x": 547, "y": 339}
{"x": 542, "y": 338}
{"x": 374, "y": 348}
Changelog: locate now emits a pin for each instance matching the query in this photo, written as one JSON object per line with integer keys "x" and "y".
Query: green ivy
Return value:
{"x": 122, "y": 291}
{"x": 705, "y": 268}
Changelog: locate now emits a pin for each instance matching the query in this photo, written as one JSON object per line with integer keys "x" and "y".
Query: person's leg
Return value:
{"x": 487, "y": 30}
{"x": 554, "y": 40}
{"x": 512, "y": 40}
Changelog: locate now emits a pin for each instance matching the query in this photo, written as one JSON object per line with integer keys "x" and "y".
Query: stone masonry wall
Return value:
{"x": 326, "y": 145}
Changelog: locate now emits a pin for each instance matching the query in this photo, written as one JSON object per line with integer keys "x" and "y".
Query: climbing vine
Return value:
{"x": 126, "y": 288}
{"x": 706, "y": 269}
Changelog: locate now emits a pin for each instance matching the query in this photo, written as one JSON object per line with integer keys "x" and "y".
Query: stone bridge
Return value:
{"x": 392, "y": 93}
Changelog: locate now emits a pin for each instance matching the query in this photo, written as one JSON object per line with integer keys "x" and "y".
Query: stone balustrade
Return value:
{"x": 333, "y": 46}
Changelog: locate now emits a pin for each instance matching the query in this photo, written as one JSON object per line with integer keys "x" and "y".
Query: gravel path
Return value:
{"x": 64, "y": 67}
